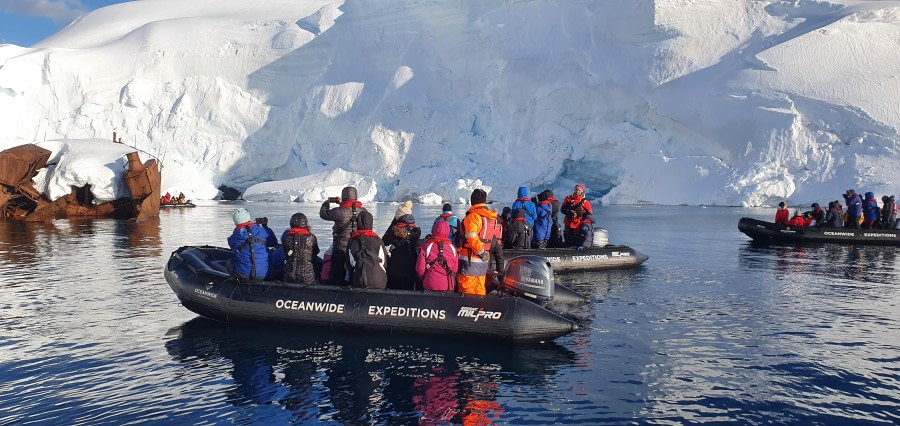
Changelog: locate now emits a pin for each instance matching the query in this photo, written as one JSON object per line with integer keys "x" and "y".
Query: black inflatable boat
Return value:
{"x": 181, "y": 205}
{"x": 769, "y": 232}
{"x": 592, "y": 259}
{"x": 531, "y": 308}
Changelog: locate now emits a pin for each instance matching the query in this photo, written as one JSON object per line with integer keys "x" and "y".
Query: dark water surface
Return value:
{"x": 711, "y": 329}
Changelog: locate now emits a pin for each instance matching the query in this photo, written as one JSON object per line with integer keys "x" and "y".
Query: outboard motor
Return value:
{"x": 601, "y": 238}
{"x": 530, "y": 277}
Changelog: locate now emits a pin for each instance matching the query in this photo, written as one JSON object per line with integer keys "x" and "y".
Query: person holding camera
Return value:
{"x": 271, "y": 239}
{"x": 574, "y": 207}
{"x": 344, "y": 217}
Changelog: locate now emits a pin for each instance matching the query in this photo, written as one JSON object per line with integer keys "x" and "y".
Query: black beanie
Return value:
{"x": 478, "y": 196}
{"x": 448, "y": 207}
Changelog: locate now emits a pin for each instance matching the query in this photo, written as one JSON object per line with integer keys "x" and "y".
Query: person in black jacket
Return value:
{"x": 556, "y": 233}
{"x": 888, "y": 212}
{"x": 519, "y": 231}
{"x": 366, "y": 255}
{"x": 817, "y": 214}
{"x": 301, "y": 248}
{"x": 834, "y": 218}
{"x": 585, "y": 236}
{"x": 345, "y": 219}
{"x": 402, "y": 238}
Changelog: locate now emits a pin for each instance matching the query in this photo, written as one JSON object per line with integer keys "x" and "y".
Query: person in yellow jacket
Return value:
{"x": 480, "y": 232}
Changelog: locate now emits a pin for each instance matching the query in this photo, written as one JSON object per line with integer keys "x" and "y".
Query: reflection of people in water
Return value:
{"x": 368, "y": 379}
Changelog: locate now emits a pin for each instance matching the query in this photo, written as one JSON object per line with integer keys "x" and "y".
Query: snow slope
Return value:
{"x": 666, "y": 101}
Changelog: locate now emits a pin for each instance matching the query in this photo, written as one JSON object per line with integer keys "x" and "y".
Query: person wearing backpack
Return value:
{"x": 401, "y": 238}
{"x": 345, "y": 220}
{"x": 574, "y": 207}
{"x": 250, "y": 257}
{"x": 438, "y": 262}
{"x": 519, "y": 233}
{"x": 301, "y": 247}
{"x": 523, "y": 202}
{"x": 366, "y": 256}
{"x": 448, "y": 216}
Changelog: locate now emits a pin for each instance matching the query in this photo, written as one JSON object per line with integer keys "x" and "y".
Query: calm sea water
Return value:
{"x": 710, "y": 329}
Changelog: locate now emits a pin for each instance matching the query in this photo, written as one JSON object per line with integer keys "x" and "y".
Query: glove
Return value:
{"x": 580, "y": 248}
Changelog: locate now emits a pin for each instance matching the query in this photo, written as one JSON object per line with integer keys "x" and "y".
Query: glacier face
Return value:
{"x": 664, "y": 102}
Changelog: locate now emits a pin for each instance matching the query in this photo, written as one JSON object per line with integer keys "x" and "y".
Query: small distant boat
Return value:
{"x": 769, "y": 232}
{"x": 182, "y": 205}
{"x": 569, "y": 259}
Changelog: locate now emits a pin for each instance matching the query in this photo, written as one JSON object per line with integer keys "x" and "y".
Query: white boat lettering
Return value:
{"x": 205, "y": 293}
{"x": 590, "y": 257}
{"x": 532, "y": 280}
{"x": 554, "y": 259}
{"x": 299, "y": 305}
{"x": 839, "y": 234}
{"x": 476, "y": 313}
{"x": 872, "y": 234}
{"x": 399, "y": 311}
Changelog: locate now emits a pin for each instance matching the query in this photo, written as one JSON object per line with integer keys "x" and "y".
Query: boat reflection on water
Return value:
{"x": 862, "y": 264}
{"x": 352, "y": 378}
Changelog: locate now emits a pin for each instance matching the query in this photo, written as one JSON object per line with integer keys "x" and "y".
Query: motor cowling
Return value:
{"x": 530, "y": 277}
{"x": 601, "y": 237}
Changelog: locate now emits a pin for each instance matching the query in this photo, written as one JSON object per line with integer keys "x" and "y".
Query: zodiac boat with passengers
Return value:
{"x": 530, "y": 306}
{"x": 769, "y": 232}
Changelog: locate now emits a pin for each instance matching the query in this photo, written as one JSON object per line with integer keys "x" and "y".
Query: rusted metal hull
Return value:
{"x": 19, "y": 199}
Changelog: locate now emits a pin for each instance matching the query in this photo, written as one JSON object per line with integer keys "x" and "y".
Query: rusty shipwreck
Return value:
{"x": 19, "y": 200}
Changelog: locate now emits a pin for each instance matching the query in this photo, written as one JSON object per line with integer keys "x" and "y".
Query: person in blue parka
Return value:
{"x": 871, "y": 212}
{"x": 250, "y": 257}
{"x": 854, "y": 209}
{"x": 523, "y": 202}
{"x": 544, "y": 223}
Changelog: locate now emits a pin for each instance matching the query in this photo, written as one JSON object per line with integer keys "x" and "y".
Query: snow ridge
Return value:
{"x": 664, "y": 102}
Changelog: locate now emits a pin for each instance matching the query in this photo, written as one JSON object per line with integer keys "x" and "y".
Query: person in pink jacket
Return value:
{"x": 438, "y": 261}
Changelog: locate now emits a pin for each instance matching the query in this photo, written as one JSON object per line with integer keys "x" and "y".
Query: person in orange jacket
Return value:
{"x": 574, "y": 207}
{"x": 781, "y": 215}
{"x": 480, "y": 232}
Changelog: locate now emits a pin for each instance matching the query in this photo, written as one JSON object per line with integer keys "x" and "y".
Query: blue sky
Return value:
{"x": 26, "y": 22}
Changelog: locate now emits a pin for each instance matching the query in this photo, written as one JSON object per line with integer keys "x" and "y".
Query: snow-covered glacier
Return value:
{"x": 667, "y": 101}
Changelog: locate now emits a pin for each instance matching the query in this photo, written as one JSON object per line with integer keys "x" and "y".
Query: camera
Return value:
{"x": 264, "y": 221}
{"x": 334, "y": 199}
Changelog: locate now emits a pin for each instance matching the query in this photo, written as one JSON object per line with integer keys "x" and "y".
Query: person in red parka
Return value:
{"x": 797, "y": 220}
{"x": 781, "y": 215}
{"x": 438, "y": 261}
{"x": 574, "y": 207}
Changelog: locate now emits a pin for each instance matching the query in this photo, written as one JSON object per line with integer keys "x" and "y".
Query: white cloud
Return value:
{"x": 57, "y": 10}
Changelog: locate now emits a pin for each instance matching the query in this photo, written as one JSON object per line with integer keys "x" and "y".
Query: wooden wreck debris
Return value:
{"x": 21, "y": 201}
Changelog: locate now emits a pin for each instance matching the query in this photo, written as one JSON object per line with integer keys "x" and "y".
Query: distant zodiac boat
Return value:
{"x": 197, "y": 276}
{"x": 762, "y": 231}
{"x": 569, "y": 259}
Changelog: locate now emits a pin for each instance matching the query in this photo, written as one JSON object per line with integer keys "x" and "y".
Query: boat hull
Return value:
{"x": 768, "y": 232}
{"x": 203, "y": 287}
{"x": 566, "y": 260}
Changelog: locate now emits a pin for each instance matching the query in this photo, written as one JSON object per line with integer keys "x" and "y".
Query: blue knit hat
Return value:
{"x": 240, "y": 216}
